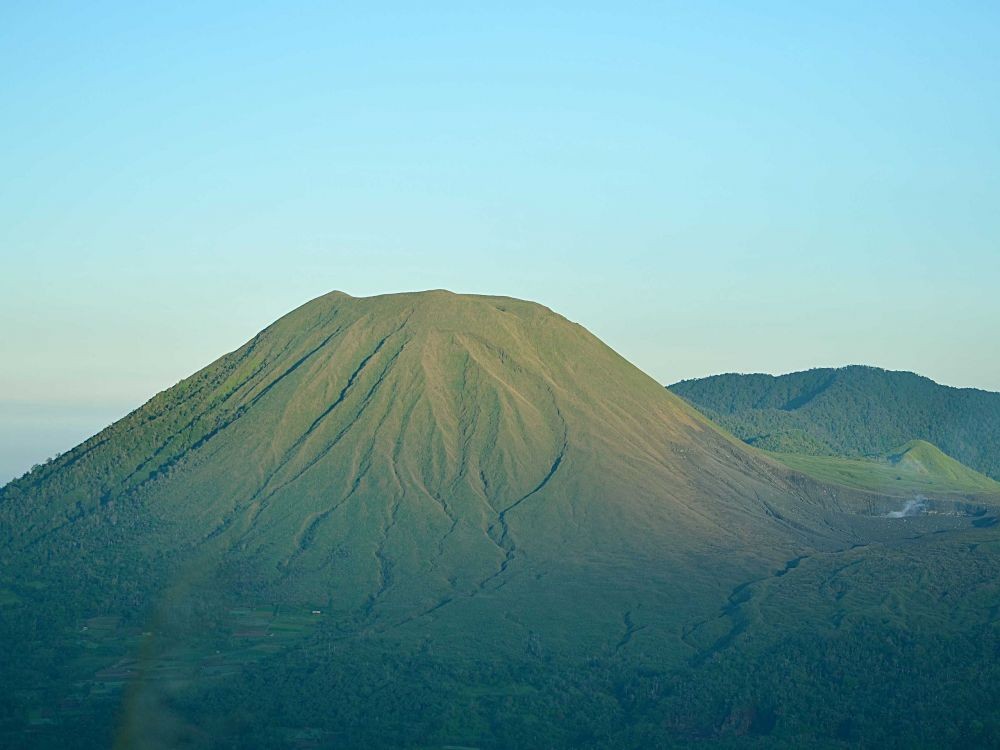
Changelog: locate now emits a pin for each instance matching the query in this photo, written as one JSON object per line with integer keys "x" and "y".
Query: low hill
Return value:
{"x": 915, "y": 468}
{"x": 852, "y": 411}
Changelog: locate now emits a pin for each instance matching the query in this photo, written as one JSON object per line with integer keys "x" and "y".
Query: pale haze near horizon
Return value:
{"x": 707, "y": 190}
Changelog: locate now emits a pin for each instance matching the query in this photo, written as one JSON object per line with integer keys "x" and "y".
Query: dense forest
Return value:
{"x": 840, "y": 650}
{"x": 852, "y": 411}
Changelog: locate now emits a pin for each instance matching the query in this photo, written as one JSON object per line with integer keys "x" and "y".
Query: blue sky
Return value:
{"x": 708, "y": 187}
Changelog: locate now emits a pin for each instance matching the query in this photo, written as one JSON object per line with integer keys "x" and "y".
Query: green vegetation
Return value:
{"x": 433, "y": 520}
{"x": 856, "y": 412}
{"x": 918, "y": 467}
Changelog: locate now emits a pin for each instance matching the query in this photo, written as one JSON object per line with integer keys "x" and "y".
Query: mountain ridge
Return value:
{"x": 855, "y": 411}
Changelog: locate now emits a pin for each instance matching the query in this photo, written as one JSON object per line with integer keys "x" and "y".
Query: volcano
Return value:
{"x": 448, "y": 479}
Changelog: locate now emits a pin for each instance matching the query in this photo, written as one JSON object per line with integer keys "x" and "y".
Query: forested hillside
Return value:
{"x": 852, "y": 411}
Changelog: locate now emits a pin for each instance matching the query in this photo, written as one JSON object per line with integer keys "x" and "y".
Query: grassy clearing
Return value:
{"x": 915, "y": 468}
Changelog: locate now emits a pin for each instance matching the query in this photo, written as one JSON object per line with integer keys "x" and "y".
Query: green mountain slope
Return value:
{"x": 428, "y": 520}
{"x": 380, "y": 456}
{"x": 917, "y": 467}
{"x": 852, "y": 411}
